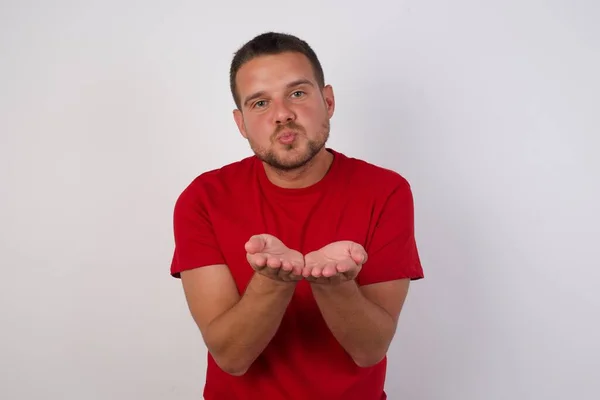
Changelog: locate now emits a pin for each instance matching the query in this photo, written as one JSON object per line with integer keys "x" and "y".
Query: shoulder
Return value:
{"x": 214, "y": 183}
{"x": 372, "y": 177}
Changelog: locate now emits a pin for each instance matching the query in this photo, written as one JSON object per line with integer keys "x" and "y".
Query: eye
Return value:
{"x": 298, "y": 93}
{"x": 260, "y": 103}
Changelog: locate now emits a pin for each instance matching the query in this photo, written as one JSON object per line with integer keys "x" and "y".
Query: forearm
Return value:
{"x": 363, "y": 329}
{"x": 237, "y": 337}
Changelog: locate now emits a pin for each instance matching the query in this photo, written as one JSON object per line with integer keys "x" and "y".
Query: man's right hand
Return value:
{"x": 270, "y": 257}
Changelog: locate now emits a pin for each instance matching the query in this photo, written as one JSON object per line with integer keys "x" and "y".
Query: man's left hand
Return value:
{"x": 335, "y": 263}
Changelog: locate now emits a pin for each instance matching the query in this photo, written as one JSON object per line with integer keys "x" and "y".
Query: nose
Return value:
{"x": 283, "y": 114}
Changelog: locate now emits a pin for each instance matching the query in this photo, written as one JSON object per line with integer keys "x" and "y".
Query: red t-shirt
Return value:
{"x": 219, "y": 211}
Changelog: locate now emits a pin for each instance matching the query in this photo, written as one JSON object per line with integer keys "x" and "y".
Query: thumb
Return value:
{"x": 256, "y": 244}
{"x": 358, "y": 254}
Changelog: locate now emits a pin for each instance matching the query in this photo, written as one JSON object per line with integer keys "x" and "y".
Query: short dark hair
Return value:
{"x": 271, "y": 43}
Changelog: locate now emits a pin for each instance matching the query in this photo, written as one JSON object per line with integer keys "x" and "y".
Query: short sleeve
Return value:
{"x": 392, "y": 249}
{"x": 195, "y": 241}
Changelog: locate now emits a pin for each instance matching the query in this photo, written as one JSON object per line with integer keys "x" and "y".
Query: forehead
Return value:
{"x": 271, "y": 72}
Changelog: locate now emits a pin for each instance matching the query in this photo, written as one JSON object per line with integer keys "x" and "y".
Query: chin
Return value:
{"x": 287, "y": 160}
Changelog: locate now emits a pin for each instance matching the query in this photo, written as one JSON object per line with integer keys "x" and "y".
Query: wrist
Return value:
{"x": 264, "y": 284}
{"x": 346, "y": 288}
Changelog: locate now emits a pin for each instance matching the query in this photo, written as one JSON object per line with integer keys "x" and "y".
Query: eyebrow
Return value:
{"x": 292, "y": 84}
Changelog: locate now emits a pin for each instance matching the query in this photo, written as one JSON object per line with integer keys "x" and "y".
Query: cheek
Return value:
{"x": 257, "y": 127}
{"x": 312, "y": 115}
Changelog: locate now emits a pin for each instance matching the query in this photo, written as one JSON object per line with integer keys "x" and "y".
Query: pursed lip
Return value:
{"x": 286, "y": 134}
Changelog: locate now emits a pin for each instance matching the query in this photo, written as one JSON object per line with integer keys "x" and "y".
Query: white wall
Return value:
{"x": 490, "y": 109}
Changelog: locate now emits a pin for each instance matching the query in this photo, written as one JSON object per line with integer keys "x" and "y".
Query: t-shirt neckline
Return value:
{"x": 269, "y": 186}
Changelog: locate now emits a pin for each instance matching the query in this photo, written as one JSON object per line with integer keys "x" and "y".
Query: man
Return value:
{"x": 295, "y": 262}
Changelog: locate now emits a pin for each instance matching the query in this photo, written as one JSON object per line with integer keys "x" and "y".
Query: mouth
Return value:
{"x": 286, "y": 137}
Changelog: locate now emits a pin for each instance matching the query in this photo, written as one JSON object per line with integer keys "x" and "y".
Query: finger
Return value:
{"x": 286, "y": 273}
{"x": 344, "y": 266}
{"x": 297, "y": 267}
{"x": 309, "y": 266}
{"x": 251, "y": 259}
{"x": 307, "y": 270}
{"x": 286, "y": 266}
{"x": 274, "y": 262}
{"x": 293, "y": 267}
{"x": 297, "y": 270}
{"x": 329, "y": 270}
{"x": 358, "y": 254}
{"x": 316, "y": 271}
{"x": 258, "y": 260}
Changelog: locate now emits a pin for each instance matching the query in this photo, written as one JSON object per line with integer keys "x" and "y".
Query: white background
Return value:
{"x": 108, "y": 109}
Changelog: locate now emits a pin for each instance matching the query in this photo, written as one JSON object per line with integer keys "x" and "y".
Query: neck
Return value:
{"x": 302, "y": 177}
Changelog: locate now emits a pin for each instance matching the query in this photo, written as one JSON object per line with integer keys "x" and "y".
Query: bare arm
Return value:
{"x": 362, "y": 319}
{"x": 236, "y": 329}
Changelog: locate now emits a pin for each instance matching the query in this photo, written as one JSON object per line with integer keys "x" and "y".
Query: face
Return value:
{"x": 284, "y": 114}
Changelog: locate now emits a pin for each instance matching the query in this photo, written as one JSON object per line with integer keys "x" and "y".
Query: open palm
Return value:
{"x": 270, "y": 257}
{"x": 338, "y": 261}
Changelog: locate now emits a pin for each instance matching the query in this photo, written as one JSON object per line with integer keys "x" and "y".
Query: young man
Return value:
{"x": 295, "y": 262}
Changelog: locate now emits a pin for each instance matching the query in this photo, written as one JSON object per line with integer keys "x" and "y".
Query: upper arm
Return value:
{"x": 392, "y": 248}
{"x": 393, "y": 259}
{"x": 196, "y": 244}
{"x": 389, "y": 295}
{"x": 209, "y": 287}
{"x": 209, "y": 291}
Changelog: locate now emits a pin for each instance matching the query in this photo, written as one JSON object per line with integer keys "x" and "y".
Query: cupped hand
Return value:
{"x": 335, "y": 263}
{"x": 270, "y": 257}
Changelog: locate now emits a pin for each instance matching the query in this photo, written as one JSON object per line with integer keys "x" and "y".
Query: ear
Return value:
{"x": 239, "y": 121}
{"x": 329, "y": 100}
